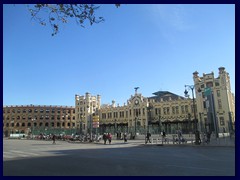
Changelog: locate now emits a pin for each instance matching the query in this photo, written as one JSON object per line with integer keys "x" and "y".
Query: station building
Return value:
{"x": 211, "y": 109}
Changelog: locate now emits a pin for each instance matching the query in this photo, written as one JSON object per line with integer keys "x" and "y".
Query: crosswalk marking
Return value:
{"x": 14, "y": 154}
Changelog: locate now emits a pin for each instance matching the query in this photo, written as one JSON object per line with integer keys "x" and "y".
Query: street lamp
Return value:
{"x": 135, "y": 126}
{"x": 115, "y": 125}
{"x": 159, "y": 125}
{"x": 81, "y": 116}
{"x": 33, "y": 126}
{"x": 194, "y": 110}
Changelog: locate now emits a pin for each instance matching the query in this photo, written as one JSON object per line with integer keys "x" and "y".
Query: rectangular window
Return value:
{"x": 164, "y": 111}
{"x": 173, "y": 110}
{"x": 168, "y": 110}
{"x": 218, "y": 93}
{"x": 222, "y": 123}
{"x": 182, "y": 109}
{"x": 177, "y": 110}
{"x": 219, "y": 104}
{"x": 186, "y": 108}
{"x": 209, "y": 84}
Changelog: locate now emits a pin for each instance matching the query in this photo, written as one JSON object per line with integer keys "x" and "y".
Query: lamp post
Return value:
{"x": 80, "y": 131}
{"x": 135, "y": 126}
{"x": 194, "y": 110}
{"x": 160, "y": 126}
{"x": 33, "y": 126}
{"x": 12, "y": 124}
{"x": 115, "y": 125}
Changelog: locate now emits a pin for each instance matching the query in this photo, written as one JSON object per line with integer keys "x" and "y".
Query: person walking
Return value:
{"x": 109, "y": 137}
{"x": 208, "y": 137}
{"x": 104, "y": 138}
{"x": 54, "y": 139}
{"x": 148, "y": 137}
{"x": 197, "y": 137}
{"x": 125, "y": 137}
{"x": 179, "y": 133}
{"x": 163, "y": 136}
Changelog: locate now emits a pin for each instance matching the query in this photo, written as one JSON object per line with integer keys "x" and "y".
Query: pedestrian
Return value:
{"x": 148, "y": 137}
{"x": 197, "y": 137}
{"x": 104, "y": 138}
{"x": 125, "y": 137}
{"x": 54, "y": 139}
{"x": 164, "y": 136}
{"x": 208, "y": 137}
{"x": 179, "y": 133}
{"x": 109, "y": 137}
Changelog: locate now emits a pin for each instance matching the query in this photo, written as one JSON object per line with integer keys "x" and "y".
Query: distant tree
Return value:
{"x": 60, "y": 13}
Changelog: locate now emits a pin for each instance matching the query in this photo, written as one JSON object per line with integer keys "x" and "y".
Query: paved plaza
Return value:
{"x": 134, "y": 158}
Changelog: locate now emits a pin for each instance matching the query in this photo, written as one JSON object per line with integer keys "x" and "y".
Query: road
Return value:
{"x": 42, "y": 158}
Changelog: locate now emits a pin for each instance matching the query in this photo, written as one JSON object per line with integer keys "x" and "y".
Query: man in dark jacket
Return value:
{"x": 148, "y": 137}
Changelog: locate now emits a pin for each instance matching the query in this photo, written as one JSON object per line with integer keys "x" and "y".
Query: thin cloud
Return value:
{"x": 173, "y": 16}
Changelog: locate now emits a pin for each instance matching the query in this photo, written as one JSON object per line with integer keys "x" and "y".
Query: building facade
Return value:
{"x": 33, "y": 119}
{"x": 213, "y": 109}
{"x": 164, "y": 111}
{"x": 86, "y": 107}
{"x": 215, "y": 102}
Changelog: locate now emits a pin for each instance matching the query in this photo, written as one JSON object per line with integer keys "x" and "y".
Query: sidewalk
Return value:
{"x": 219, "y": 142}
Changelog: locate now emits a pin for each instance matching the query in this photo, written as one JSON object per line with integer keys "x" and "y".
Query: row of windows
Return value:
{"x": 37, "y": 110}
{"x": 40, "y": 124}
{"x": 137, "y": 112}
{"x": 40, "y": 117}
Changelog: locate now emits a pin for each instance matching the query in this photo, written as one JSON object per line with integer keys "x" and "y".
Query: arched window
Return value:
{"x": 68, "y": 124}
{"x": 52, "y": 124}
{"x": 23, "y": 124}
{"x": 58, "y": 124}
{"x": 40, "y": 124}
{"x": 29, "y": 124}
{"x": 46, "y": 124}
{"x": 17, "y": 124}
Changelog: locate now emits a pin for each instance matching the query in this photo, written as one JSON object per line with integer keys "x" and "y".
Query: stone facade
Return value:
{"x": 215, "y": 101}
{"x": 38, "y": 119}
{"x": 165, "y": 111}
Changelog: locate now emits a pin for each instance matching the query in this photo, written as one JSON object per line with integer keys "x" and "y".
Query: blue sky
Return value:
{"x": 154, "y": 47}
